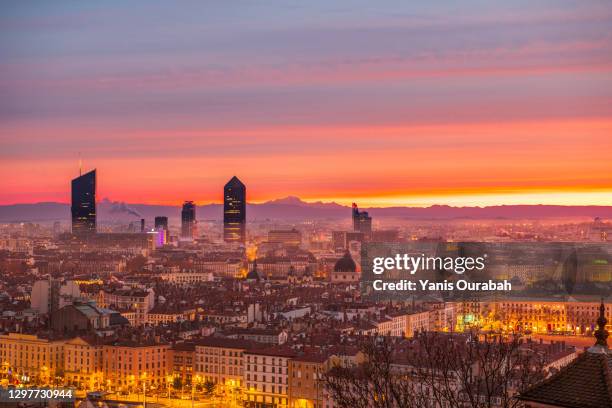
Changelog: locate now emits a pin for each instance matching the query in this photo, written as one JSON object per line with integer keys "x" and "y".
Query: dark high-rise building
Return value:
{"x": 83, "y": 207}
{"x": 188, "y": 220}
{"x": 142, "y": 225}
{"x": 161, "y": 223}
{"x": 362, "y": 222}
{"x": 234, "y": 211}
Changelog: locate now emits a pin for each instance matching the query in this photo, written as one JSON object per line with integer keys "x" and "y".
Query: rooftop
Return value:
{"x": 584, "y": 383}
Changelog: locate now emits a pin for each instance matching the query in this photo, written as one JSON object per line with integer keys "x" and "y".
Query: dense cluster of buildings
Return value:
{"x": 259, "y": 316}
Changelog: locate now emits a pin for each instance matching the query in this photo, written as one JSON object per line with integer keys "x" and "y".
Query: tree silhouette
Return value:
{"x": 436, "y": 370}
{"x": 209, "y": 388}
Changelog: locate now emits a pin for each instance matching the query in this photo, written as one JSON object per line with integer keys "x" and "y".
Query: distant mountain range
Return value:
{"x": 293, "y": 208}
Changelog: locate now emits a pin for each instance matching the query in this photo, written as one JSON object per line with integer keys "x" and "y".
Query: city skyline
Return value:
{"x": 428, "y": 219}
{"x": 589, "y": 198}
{"x": 472, "y": 104}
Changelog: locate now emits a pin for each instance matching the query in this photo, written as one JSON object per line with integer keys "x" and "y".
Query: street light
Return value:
{"x": 43, "y": 374}
{"x": 132, "y": 381}
{"x": 195, "y": 381}
{"x": 143, "y": 377}
{"x": 169, "y": 379}
{"x": 233, "y": 388}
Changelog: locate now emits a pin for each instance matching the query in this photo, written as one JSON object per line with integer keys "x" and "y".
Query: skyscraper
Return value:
{"x": 161, "y": 222}
{"x": 188, "y": 220}
{"x": 362, "y": 222}
{"x": 83, "y": 207}
{"x": 234, "y": 211}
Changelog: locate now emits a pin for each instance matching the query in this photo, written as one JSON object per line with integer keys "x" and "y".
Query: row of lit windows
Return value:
{"x": 26, "y": 347}
{"x": 125, "y": 351}
{"x": 226, "y": 361}
{"x": 263, "y": 369}
{"x": 129, "y": 366}
{"x": 220, "y": 370}
{"x": 22, "y": 355}
{"x": 216, "y": 351}
{"x": 271, "y": 388}
{"x": 267, "y": 360}
{"x": 264, "y": 378}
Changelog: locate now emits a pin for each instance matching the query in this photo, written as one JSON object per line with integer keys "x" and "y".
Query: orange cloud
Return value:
{"x": 386, "y": 165}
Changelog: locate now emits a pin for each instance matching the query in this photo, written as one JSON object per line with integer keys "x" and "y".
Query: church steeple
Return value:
{"x": 253, "y": 274}
{"x": 601, "y": 334}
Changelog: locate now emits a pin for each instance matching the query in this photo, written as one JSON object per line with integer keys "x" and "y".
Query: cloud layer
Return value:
{"x": 389, "y": 102}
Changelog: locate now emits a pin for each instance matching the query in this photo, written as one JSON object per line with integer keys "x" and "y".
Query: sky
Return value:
{"x": 384, "y": 103}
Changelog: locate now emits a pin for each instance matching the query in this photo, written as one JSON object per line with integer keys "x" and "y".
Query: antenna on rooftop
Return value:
{"x": 80, "y": 165}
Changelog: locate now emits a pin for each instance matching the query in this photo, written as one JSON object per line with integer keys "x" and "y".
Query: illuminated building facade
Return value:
{"x": 267, "y": 377}
{"x": 155, "y": 318}
{"x": 83, "y": 363}
{"x": 583, "y": 383}
{"x": 130, "y": 364}
{"x": 306, "y": 388}
{"x": 537, "y": 316}
{"x": 229, "y": 268}
{"x": 220, "y": 360}
{"x": 182, "y": 358}
{"x": 161, "y": 226}
{"x": 83, "y": 204}
{"x": 280, "y": 267}
{"x": 158, "y": 238}
{"x": 234, "y": 211}
{"x": 31, "y": 357}
{"x": 403, "y": 324}
{"x": 188, "y": 277}
{"x": 291, "y": 237}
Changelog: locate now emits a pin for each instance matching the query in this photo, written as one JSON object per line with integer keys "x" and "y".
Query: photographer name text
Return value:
{"x": 427, "y": 285}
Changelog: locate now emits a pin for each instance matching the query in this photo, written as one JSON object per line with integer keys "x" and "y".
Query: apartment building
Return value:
{"x": 134, "y": 303}
{"x": 306, "y": 389}
{"x": 182, "y": 361}
{"x": 267, "y": 377}
{"x": 185, "y": 278}
{"x": 129, "y": 364}
{"x": 31, "y": 357}
{"x": 538, "y": 316}
{"x": 83, "y": 362}
{"x": 220, "y": 360}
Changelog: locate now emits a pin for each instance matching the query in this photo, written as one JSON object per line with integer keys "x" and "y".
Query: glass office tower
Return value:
{"x": 83, "y": 207}
{"x": 188, "y": 220}
{"x": 234, "y": 211}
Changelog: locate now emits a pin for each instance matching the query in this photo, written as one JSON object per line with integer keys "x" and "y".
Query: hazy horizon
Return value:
{"x": 281, "y": 200}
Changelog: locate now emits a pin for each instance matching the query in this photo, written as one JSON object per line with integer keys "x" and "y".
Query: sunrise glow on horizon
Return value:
{"x": 475, "y": 104}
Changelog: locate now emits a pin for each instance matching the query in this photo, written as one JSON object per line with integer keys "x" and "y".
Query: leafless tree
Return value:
{"x": 373, "y": 383}
{"x": 437, "y": 370}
